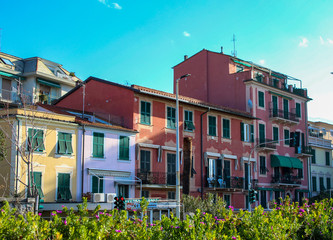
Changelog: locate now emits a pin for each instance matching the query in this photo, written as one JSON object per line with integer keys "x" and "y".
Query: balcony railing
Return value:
{"x": 159, "y": 178}
{"x": 279, "y": 113}
{"x": 265, "y": 143}
{"x": 229, "y": 182}
{"x": 321, "y": 142}
{"x": 303, "y": 150}
{"x": 286, "y": 179}
{"x": 14, "y": 97}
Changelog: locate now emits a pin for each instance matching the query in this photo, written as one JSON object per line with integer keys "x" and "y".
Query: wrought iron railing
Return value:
{"x": 160, "y": 178}
{"x": 286, "y": 179}
{"x": 303, "y": 150}
{"x": 279, "y": 113}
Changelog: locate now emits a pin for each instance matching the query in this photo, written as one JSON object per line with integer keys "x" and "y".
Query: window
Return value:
{"x": 239, "y": 68}
{"x": 97, "y": 184}
{"x": 259, "y": 77}
{"x": 328, "y": 183}
{"x": 144, "y": 161}
{"x": 64, "y": 192}
{"x": 275, "y": 106}
{"x": 38, "y": 183}
{"x": 328, "y": 160}
{"x": 263, "y": 199}
{"x": 275, "y": 82}
{"x": 171, "y": 117}
{"x": 261, "y": 97}
{"x": 98, "y": 145}
{"x": 262, "y": 134}
{"x": 215, "y": 168}
{"x": 247, "y": 132}
{"x": 124, "y": 148}
{"x": 298, "y": 110}
{"x": 36, "y": 140}
{"x": 286, "y": 137}
{"x": 321, "y": 184}
{"x": 313, "y": 153}
{"x": 123, "y": 191}
{"x": 7, "y": 61}
{"x": 212, "y": 125}
{"x": 285, "y": 108}
{"x": 226, "y": 128}
{"x": 226, "y": 198}
{"x": 314, "y": 184}
{"x": 171, "y": 169}
{"x": 171, "y": 195}
{"x": 64, "y": 143}
{"x": 276, "y": 134}
{"x": 189, "y": 126}
{"x": 145, "y": 194}
{"x": 145, "y": 112}
{"x": 263, "y": 169}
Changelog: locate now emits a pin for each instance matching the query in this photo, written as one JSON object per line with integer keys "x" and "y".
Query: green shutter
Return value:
{"x": 262, "y": 133}
{"x": 171, "y": 117}
{"x": 30, "y": 140}
{"x": 226, "y": 128}
{"x": 328, "y": 183}
{"x": 61, "y": 143}
{"x": 98, "y": 145}
{"x": 68, "y": 140}
{"x": 313, "y": 152}
{"x": 261, "y": 97}
{"x": 298, "y": 110}
{"x": 251, "y": 133}
{"x": 314, "y": 184}
{"x": 38, "y": 183}
{"x": 145, "y": 112}
{"x": 286, "y": 136}
{"x": 64, "y": 192}
{"x": 327, "y": 155}
{"x": 275, "y": 133}
{"x": 124, "y": 148}
{"x": 95, "y": 181}
{"x": 212, "y": 125}
{"x": 40, "y": 140}
{"x": 242, "y": 131}
{"x": 188, "y": 125}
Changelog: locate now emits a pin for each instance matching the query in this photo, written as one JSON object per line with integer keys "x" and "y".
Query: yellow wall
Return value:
{"x": 49, "y": 162}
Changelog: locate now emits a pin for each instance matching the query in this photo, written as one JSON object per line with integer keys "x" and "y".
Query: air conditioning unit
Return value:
{"x": 110, "y": 197}
{"x": 99, "y": 197}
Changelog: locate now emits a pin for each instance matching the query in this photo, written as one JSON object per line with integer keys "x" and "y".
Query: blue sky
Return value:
{"x": 138, "y": 42}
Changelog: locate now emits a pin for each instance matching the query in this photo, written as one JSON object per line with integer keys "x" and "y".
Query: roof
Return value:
{"x": 81, "y": 121}
{"x": 193, "y": 101}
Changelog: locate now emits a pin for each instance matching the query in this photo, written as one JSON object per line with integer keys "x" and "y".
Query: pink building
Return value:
{"x": 215, "y": 141}
{"x": 280, "y": 109}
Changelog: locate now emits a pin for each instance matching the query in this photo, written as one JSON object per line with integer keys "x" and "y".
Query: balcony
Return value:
{"x": 157, "y": 178}
{"x": 303, "y": 151}
{"x": 13, "y": 97}
{"x": 46, "y": 99}
{"x": 282, "y": 116}
{"x": 285, "y": 180}
{"x": 266, "y": 144}
{"x": 319, "y": 141}
{"x": 230, "y": 183}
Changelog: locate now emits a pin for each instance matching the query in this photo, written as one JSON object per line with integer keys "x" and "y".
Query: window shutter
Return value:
{"x": 124, "y": 148}
{"x": 30, "y": 139}
{"x": 95, "y": 143}
{"x": 68, "y": 139}
{"x": 219, "y": 168}
{"x": 61, "y": 143}
{"x": 40, "y": 140}
{"x": 94, "y": 184}
{"x": 242, "y": 131}
{"x": 251, "y": 133}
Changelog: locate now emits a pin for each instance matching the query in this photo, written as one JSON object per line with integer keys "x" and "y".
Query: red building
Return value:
{"x": 217, "y": 137}
{"x": 280, "y": 109}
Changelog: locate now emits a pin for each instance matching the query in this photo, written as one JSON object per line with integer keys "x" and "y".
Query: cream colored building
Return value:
{"x": 321, "y": 169}
{"x": 32, "y": 80}
{"x": 49, "y": 140}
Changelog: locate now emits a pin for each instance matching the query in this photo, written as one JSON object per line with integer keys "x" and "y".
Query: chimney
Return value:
{"x": 185, "y": 57}
{"x": 222, "y": 50}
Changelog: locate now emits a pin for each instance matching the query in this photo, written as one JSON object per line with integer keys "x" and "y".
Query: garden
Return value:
{"x": 286, "y": 221}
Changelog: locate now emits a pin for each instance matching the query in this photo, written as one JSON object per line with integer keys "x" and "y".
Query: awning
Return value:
{"x": 265, "y": 189}
{"x": 302, "y": 190}
{"x": 108, "y": 173}
{"x": 245, "y": 64}
{"x": 48, "y": 83}
{"x": 278, "y": 190}
{"x": 10, "y": 75}
{"x": 283, "y": 161}
{"x": 126, "y": 182}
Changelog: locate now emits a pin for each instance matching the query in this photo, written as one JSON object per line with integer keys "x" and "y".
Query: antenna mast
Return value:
{"x": 234, "y": 53}
{"x": 0, "y": 38}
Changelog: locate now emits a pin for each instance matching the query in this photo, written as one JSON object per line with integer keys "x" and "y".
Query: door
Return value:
{"x": 6, "y": 89}
{"x": 227, "y": 173}
{"x": 263, "y": 199}
{"x": 275, "y": 106}
{"x": 64, "y": 192}
{"x": 144, "y": 161}
{"x": 171, "y": 169}
{"x": 285, "y": 108}
{"x": 123, "y": 191}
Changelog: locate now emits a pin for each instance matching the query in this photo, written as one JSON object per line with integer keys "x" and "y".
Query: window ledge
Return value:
{"x": 57, "y": 155}
{"x": 97, "y": 158}
{"x": 37, "y": 153}
{"x": 124, "y": 161}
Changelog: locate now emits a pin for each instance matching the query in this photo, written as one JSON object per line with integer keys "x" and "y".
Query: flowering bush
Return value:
{"x": 285, "y": 221}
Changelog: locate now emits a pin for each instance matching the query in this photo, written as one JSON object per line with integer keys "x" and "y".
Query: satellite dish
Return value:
{"x": 250, "y": 104}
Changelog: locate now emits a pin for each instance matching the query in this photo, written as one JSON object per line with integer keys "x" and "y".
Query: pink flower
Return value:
{"x": 59, "y": 211}
{"x": 97, "y": 216}
{"x": 234, "y": 237}
{"x": 301, "y": 210}
{"x": 118, "y": 231}
{"x": 40, "y": 214}
{"x": 203, "y": 213}
{"x": 65, "y": 222}
{"x": 53, "y": 214}
{"x": 62, "y": 206}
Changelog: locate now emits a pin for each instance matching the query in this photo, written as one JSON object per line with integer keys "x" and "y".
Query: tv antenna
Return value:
{"x": 234, "y": 53}
{"x": 0, "y": 38}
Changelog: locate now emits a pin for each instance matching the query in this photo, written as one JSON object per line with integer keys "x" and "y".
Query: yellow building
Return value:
{"x": 46, "y": 140}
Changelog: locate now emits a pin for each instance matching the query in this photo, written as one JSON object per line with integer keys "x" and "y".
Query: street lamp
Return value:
{"x": 177, "y": 148}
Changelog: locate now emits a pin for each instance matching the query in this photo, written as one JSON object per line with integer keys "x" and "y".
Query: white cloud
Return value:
{"x": 186, "y": 34}
{"x": 322, "y": 41}
{"x": 114, "y": 5}
{"x": 117, "y": 6}
{"x": 304, "y": 42}
{"x": 262, "y": 61}
{"x": 330, "y": 41}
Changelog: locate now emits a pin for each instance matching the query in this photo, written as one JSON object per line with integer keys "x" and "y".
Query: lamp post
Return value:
{"x": 177, "y": 149}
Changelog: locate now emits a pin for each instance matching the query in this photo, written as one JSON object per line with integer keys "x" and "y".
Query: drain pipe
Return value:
{"x": 82, "y": 161}
{"x": 17, "y": 156}
{"x": 202, "y": 157}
